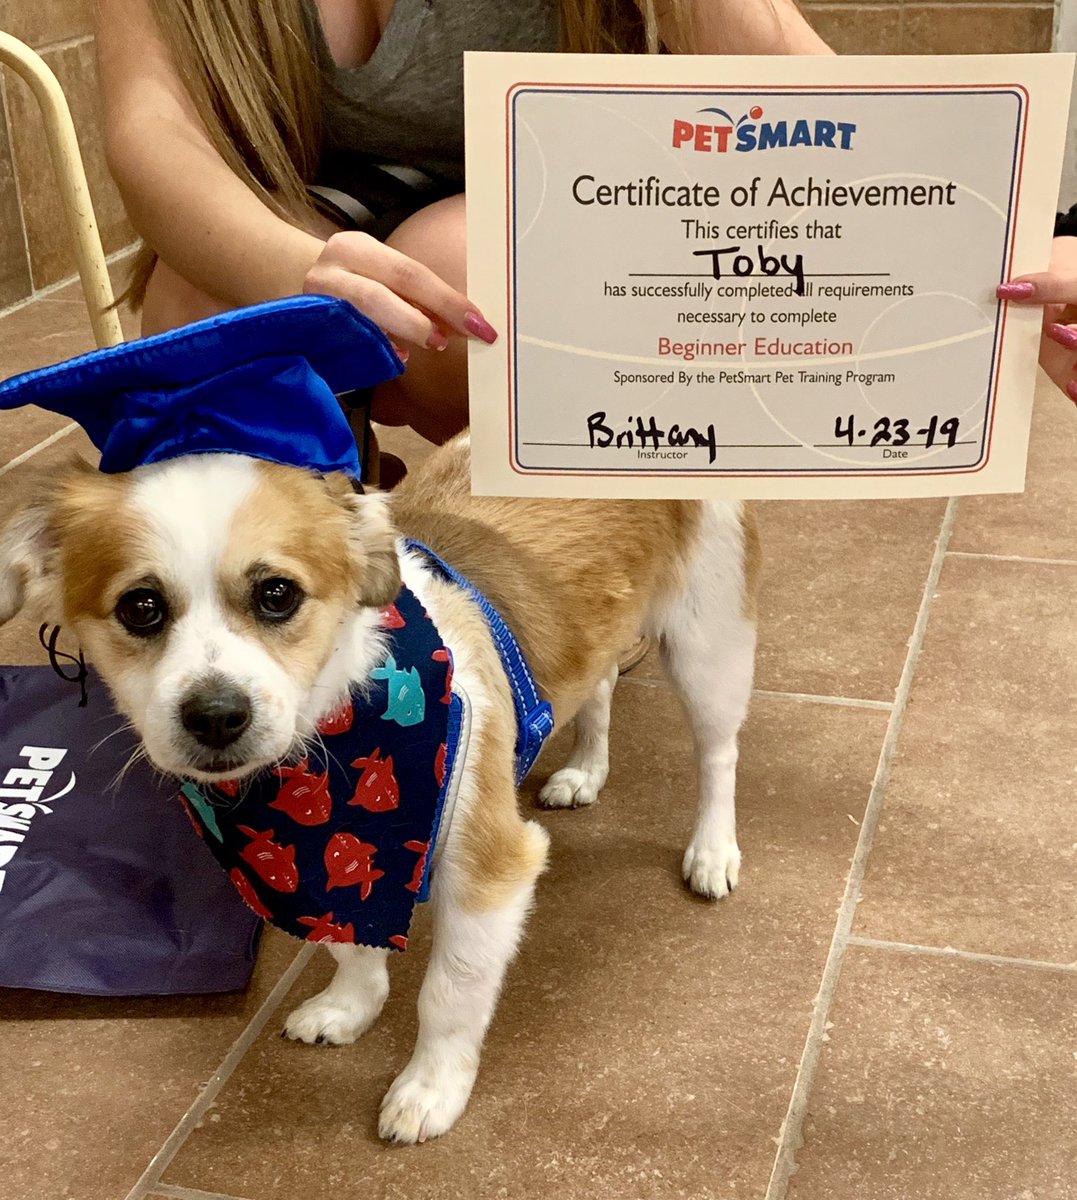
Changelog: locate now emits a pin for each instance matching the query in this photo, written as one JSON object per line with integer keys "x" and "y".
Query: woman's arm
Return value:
{"x": 209, "y": 227}
{"x": 747, "y": 27}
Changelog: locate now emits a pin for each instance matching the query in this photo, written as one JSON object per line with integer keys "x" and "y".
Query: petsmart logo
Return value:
{"x": 749, "y": 134}
{"x": 22, "y": 798}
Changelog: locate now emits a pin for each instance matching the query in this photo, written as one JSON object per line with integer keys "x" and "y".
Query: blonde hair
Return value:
{"x": 253, "y": 74}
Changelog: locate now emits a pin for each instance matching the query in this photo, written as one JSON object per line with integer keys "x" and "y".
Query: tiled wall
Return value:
{"x": 946, "y": 27}
{"x": 33, "y": 246}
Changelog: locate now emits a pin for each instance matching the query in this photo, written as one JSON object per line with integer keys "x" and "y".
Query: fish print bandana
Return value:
{"x": 337, "y": 847}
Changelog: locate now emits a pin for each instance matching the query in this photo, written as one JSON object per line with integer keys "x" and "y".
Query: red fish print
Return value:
{"x": 391, "y": 618}
{"x": 250, "y": 896}
{"x": 423, "y": 850}
{"x": 350, "y": 863}
{"x": 338, "y": 721}
{"x": 230, "y": 787}
{"x": 323, "y": 929}
{"x": 399, "y": 941}
{"x": 444, "y": 656}
{"x": 440, "y": 763}
{"x": 274, "y": 863}
{"x": 305, "y": 796}
{"x": 377, "y": 789}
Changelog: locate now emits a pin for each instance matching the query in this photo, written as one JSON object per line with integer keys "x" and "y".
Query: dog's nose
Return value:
{"x": 216, "y": 718}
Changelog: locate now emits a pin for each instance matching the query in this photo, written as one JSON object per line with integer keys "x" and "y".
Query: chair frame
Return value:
{"x": 71, "y": 183}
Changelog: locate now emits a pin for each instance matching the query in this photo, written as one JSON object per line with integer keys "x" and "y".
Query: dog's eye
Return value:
{"x": 277, "y": 599}
{"x": 142, "y": 612}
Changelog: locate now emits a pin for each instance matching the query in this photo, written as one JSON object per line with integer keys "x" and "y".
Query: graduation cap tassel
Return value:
{"x": 55, "y": 655}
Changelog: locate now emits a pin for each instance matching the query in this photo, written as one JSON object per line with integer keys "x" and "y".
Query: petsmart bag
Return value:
{"x": 104, "y": 889}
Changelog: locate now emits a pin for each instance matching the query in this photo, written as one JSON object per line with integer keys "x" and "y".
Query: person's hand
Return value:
{"x": 410, "y": 302}
{"x": 1056, "y": 290}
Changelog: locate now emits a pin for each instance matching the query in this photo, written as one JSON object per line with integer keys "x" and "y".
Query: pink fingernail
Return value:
{"x": 437, "y": 341}
{"x": 1015, "y": 291}
{"x": 1071, "y": 390}
{"x": 1064, "y": 335}
{"x": 480, "y": 327}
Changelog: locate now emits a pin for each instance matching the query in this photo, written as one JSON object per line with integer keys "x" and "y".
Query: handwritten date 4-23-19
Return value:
{"x": 890, "y": 432}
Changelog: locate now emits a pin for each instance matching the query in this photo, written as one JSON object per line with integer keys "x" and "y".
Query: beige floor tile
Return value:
{"x": 943, "y": 1080}
{"x": 842, "y": 583}
{"x": 977, "y": 844}
{"x": 646, "y": 1042}
{"x": 92, "y": 1087}
{"x": 1041, "y": 522}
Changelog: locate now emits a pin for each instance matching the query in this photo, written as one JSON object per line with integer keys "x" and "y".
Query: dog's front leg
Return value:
{"x": 580, "y": 780}
{"x": 349, "y": 1005}
{"x": 475, "y": 938}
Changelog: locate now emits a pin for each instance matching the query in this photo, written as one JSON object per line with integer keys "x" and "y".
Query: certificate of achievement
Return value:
{"x": 757, "y": 277}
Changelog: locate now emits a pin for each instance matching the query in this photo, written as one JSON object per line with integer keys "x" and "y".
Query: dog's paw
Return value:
{"x": 330, "y": 1019}
{"x": 571, "y": 787}
{"x": 424, "y": 1102}
{"x": 712, "y": 871}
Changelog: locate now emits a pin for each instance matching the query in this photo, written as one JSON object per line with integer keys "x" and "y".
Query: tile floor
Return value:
{"x": 886, "y": 1008}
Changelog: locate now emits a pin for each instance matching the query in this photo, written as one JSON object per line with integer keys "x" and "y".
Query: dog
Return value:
{"x": 167, "y": 574}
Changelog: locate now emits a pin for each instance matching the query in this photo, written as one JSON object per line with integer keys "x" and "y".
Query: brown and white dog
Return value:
{"x": 180, "y": 572}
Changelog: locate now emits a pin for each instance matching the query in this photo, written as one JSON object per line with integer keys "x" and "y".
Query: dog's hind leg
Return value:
{"x": 580, "y": 780}
{"x": 350, "y": 1004}
{"x": 708, "y": 650}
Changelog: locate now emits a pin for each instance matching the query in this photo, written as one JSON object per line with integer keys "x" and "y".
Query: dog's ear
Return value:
{"x": 372, "y": 542}
{"x": 30, "y": 572}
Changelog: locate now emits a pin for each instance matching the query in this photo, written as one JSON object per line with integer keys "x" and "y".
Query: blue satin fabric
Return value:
{"x": 259, "y": 381}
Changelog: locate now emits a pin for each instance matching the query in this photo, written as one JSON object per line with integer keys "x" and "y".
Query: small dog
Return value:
{"x": 218, "y": 571}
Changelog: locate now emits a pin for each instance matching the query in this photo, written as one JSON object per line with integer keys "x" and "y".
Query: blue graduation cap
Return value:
{"x": 260, "y": 381}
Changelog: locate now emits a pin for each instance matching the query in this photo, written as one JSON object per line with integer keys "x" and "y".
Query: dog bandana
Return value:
{"x": 337, "y": 847}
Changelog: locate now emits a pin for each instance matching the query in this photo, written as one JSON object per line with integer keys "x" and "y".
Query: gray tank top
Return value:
{"x": 406, "y": 104}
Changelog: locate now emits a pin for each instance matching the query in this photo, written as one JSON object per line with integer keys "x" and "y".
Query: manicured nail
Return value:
{"x": 1064, "y": 335}
{"x": 1071, "y": 390}
{"x": 402, "y": 352}
{"x": 437, "y": 341}
{"x": 1015, "y": 291}
{"x": 480, "y": 327}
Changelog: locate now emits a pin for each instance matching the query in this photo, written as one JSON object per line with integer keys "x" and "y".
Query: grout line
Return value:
{"x": 812, "y": 6}
{"x": 50, "y": 289}
{"x": 791, "y": 1139}
{"x": 799, "y": 697}
{"x": 182, "y": 1193}
{"x": 26, "y": 455}
{"x": 1016, "y": 558}
{"x": 150, "y": 1178}
{"x": 810, "y": 698}
{"x": 999, "y": 960}
{"x": 70, "y": 43}
{"x": 5, "y": 117}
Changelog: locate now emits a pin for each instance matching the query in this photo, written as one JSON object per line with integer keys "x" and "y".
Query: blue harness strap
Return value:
{"x": 534, "y": 716}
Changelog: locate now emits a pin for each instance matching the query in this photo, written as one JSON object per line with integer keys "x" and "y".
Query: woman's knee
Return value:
{"x": 436, "y": 236}
{"x": 171, "y": 301}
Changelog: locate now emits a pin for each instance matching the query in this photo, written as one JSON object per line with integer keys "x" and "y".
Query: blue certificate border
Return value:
{"x": 858, "y": 469}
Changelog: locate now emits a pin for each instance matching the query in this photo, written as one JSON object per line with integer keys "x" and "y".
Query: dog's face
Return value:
{"x": 209, "y": 592}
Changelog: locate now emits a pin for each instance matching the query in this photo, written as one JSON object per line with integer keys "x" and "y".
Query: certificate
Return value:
{"x": 757, "y": 277}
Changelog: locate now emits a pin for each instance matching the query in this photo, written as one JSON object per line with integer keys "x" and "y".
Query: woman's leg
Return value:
{"x": 431, "y": 396}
